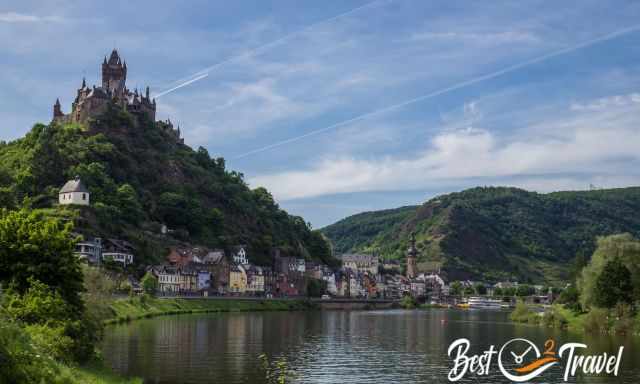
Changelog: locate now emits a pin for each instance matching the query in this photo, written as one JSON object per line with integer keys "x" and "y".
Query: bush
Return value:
{"x": 408, "y": 302}
{"x": 553, "y": 318}
{"x": 523, "y": 314}
{"x": 597, "y": 321}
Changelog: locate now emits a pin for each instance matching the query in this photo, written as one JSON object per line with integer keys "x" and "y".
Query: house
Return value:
{"x": 330, "y": 278}
{"x": 188, "y": 278}
{"x": 204, "y": 280}
{"x": 356, "y": 288}
{"x": 237, "y": 279}
{"x": 89, "y": 250}
{"x": 286, "y": 286}
{"x": 73, "y": 192}
{"x": 255, "y": 280}
{"x": 120, "y": 251}
{"x": 361, "y": 263}
{"x": 269, "y": 281}
{"x": 240, "y": 255}
{"x": 168, "y": 279}
{"x": 417, "y": 288}
{"x": 391, "y": 266}
{"x": 217, "y": 264}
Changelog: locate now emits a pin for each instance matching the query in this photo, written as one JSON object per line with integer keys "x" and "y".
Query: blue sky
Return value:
{"x": 561, "y": 123}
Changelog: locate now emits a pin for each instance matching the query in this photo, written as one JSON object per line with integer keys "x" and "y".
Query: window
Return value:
{"x": 84, "y": 196}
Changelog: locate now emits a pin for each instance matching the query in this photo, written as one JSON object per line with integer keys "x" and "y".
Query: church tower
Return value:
{"x": 114, "y": 74}
{"x": 412, "y": 259}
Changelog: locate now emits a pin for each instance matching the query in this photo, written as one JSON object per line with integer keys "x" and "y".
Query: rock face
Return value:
{"x": 494, "y": 233}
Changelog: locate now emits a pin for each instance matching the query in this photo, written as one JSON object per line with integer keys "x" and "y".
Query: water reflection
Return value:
{"x": 330, "y": 347}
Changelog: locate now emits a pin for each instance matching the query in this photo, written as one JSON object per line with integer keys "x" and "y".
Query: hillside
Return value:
{"x": 495, "y": 233}
{"x": 141, "y": 176}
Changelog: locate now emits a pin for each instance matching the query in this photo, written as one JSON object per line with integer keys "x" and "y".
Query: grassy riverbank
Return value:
{"x": 134, "y": 308}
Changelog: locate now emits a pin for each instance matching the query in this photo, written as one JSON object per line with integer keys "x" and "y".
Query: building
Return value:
{"x": 240, "y": 255}
{"x": 168, "y": 279}
{"x": 188, "y": 278}
{"x": 361, "y": 263}
{"x": 120, "y": 251}
{"x": 217, "y": 264}
{"x": 255, "y": 280}
{"x": 204, "y": 280}
{"x": 90, "y": 250}
{"x": 91, "y": 102}
{"x": 412, "y": 259}
{"x": 237, "y": 279}
{"x": 73, "y": 192}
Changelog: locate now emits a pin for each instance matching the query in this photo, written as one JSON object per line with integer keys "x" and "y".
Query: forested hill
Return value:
{"x": 495, "y": 233}
{"x": 141, "y": 176}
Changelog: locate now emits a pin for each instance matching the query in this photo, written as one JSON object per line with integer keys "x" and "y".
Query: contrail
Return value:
{"x": 450, "y": 88}
{"x": 199, "y": 75}
{"x": 181, "y": 85}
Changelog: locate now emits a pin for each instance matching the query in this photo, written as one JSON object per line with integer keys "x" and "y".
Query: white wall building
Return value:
{"x": 73, "y": 192}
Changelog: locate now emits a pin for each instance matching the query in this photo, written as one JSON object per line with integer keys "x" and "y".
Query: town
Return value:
{"x": 198, "y": 271}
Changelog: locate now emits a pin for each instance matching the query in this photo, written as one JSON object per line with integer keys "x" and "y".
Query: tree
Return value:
{"x": 468, "y": 291}
{"x": 524, "y": 290}
{"x": 497, "y": 291}
{"x": 613, "y": 285}
{"x": 626, "y": 249}
{"x": 129, "y": 204}
{"x": 149, "y": 283}
{"x": 456, "y": 288}
{"x": 34, "y": 246}
{"x": 480, "y": 289}
{"x": 316, "y": 288}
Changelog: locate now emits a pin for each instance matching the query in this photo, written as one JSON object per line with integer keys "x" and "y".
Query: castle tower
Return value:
{"x": 114, "y": 73}
{"x": 412, "y": 259}
{"x": 57, "y": 110}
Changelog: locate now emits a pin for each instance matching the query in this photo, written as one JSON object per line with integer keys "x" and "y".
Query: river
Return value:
{"x": 393, "y": 346}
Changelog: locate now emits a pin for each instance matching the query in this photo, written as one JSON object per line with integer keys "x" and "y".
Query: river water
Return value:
{"x": 393, "y": 346}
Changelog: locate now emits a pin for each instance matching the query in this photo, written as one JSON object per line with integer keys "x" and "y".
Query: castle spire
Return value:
{"x": 84, "y": 83}
{"x": 147, "y": 92}
{"x": 57, "y": 109}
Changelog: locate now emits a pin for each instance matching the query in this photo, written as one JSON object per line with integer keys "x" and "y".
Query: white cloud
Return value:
{"x": 607, "y": 102}
{"x": 592, "y": 143}
{"x": 14, "y": 17}
{"x": 495, "y": 38}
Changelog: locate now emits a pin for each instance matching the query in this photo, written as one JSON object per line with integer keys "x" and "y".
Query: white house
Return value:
{"x": 74, "y": 192}
{"x": 240, "y": 256}
{"x": 90, "y": 250}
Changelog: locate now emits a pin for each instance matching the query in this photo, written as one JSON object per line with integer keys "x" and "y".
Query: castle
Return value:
{"x": 92, "y": 102}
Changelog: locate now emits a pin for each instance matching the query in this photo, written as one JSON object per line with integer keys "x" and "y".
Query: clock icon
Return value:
{"x": 516, "y": 352}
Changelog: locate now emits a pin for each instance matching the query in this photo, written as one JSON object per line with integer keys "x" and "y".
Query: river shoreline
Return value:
{"x": 142, "y": 307}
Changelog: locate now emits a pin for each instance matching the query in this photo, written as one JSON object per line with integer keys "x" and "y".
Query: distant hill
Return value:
{"x": 141, "y": 176}
{"x": 495, "y": 233}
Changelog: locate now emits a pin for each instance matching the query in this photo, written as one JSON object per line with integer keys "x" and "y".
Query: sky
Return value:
{"x": 340, "y": 107}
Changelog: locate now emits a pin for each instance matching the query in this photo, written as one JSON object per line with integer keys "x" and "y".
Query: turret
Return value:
{"x": 84, "y": 83}
{"x": 114, "y": 73}
{"x": 57, "y": 110}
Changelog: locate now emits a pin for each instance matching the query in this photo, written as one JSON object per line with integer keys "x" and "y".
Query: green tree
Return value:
{"x": 626, "y": 249}
{"x": 480, "y": 289}
{"x": 456, "y": 288}
{"x": 34, "y": 246}
{"x": 524, "y": 290}
{"x": 149, "y": 283}
{"x": 498, "y": 292}
{"x": 129, "y": 204}
{"x": 613, "y": 285}
{"x": 316, "y": 288}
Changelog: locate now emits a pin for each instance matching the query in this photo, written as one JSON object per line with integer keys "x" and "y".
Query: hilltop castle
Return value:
{"x": 92, "y": 102}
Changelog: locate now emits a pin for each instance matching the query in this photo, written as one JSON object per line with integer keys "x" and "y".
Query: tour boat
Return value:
{"x": 484, "y": 303}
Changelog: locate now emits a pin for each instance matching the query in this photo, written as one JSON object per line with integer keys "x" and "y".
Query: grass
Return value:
{"x": 95, "y": 374}
{"x": 140, "y": 307}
